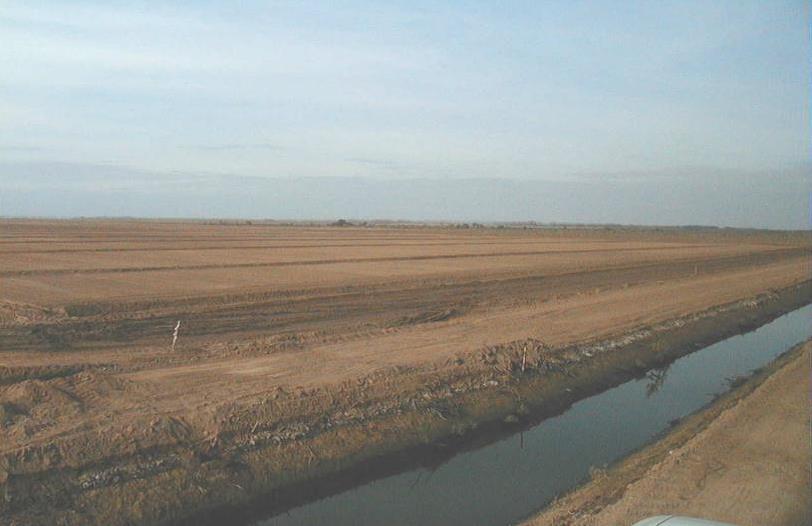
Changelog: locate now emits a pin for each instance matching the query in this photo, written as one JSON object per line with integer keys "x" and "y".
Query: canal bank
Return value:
{"x": 745, "y": 460}
{"x": 420, "y": 420}
{"x": 498, "y": 481}
{"x": 402, "y": 486}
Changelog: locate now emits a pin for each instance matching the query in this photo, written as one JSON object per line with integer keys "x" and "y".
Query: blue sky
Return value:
{"x": 542, "y": 91}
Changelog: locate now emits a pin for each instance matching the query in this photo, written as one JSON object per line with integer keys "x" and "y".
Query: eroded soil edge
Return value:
{"x": 587, "y": 503}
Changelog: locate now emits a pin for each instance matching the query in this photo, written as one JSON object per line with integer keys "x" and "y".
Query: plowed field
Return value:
{"x": 88, "y": 308}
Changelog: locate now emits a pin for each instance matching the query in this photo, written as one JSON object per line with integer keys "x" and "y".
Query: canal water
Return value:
{"x": 508, "y": 480}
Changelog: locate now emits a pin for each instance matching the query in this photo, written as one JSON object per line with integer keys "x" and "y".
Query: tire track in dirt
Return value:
{"x": 346, "y": 312}
{"x": 56, "y": 272}
{"x": 196, "y": 248}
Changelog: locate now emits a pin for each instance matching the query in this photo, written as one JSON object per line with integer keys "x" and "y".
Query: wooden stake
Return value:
{"x": 175, "y": 336}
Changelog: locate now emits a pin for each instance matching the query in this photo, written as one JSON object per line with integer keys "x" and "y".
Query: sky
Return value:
{"x": 624, "y": 101}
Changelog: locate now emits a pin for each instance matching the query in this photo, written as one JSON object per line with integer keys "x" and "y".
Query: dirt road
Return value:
{"x": 292, "y": 332}
{"x": 750, "y": 466}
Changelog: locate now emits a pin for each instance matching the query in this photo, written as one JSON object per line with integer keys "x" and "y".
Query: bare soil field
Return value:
{"x": 744, "y": 460}
{"x": 304, "y": 350}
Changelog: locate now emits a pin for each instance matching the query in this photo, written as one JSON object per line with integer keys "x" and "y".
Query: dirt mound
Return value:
{"x": 46, "y": 402}
{"x": 32, "y": 395}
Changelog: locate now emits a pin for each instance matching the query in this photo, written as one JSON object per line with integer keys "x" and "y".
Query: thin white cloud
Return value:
{"x": 521, "y": 90}
{"x": 249, "y": 146}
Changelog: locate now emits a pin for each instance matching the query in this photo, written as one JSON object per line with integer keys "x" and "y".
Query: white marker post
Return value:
{"x": 175, "y": 336}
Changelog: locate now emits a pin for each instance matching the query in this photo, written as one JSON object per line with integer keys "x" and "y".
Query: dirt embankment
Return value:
{"x": 277, "y": 446}
{"x": 744, "y": 460}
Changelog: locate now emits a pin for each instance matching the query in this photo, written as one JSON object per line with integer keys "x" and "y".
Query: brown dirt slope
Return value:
{"x": 750, "y": 466}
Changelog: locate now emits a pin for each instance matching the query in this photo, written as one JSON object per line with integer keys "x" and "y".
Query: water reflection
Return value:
{"x": 656, "y": 379}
